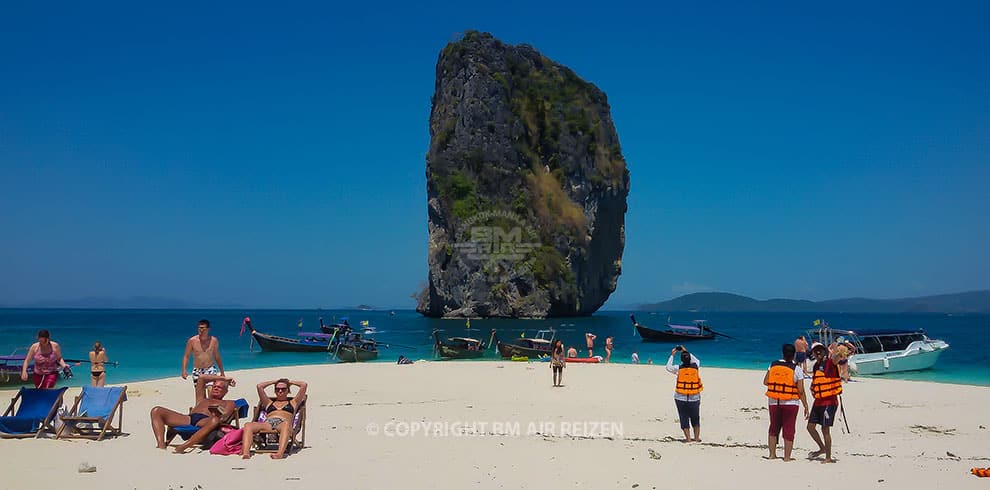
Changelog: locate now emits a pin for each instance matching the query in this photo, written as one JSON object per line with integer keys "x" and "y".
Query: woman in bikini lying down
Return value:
{"x": 279, "y": 412}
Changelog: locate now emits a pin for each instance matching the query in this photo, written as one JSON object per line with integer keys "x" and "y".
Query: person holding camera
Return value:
{"x": 687, "y": 392}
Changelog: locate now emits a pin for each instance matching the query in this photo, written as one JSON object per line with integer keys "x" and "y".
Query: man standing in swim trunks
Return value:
{"x": 590, "y": 338}
{"x": 208, "y": 413}
{"x": 205, "y": 350}
{"x": 801, "y": 353}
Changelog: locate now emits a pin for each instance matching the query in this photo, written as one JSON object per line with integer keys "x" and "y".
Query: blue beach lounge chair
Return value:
{"x": 91, "y": 416}
{"x": 187, "y": 431}
{"x": 34, "y": 415}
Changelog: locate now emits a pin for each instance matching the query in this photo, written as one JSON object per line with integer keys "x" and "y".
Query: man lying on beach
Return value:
{"x": 207, "y": 414}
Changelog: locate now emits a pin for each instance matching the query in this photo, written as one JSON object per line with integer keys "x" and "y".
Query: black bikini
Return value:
{"x": 287, "y": 408}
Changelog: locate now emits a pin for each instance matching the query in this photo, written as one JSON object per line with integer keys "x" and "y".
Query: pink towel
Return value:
{"x": 229, "y": 444}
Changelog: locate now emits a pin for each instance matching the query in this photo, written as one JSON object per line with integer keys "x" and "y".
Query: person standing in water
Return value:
{"x": 47, "y": 357}
{"x": 205, "y": 350}
{"x": 608, "y": 349}
{"x": 557, "y": 362}
{"x": 97, "y": 362}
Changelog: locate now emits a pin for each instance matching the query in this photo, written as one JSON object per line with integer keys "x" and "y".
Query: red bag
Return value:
{"x": 230, "y": 444}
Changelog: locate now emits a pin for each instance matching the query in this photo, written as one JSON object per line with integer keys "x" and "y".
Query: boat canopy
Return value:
{"x": 886, "y": 332}
{"x": 687, "y": 328}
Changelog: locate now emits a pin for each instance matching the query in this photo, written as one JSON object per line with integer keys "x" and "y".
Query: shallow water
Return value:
{"x": 149, "y": 343}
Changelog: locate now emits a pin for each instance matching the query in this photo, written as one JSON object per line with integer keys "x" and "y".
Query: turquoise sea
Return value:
{"x": 149, "y": 343}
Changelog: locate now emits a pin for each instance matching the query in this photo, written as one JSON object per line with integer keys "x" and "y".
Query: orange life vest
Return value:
{"x": 825, "y": 386}
{"x": 981, "y": 472}
{"x": 688, "y": 381}
{"x": 780, "y": 381}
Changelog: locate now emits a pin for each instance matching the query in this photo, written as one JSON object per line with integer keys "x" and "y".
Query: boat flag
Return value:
{"x": 364, "y": 323}
{"x": 467, "y": 323}
{"x": 523, "y": 334}
{"x": 300, "y": 323}
{"x": 817, "y": 323}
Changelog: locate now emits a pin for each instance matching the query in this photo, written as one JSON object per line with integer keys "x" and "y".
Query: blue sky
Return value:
{"x": 246, "y": 154}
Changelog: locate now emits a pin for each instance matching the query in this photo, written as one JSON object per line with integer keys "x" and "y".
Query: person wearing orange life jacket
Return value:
{"x": 687, "y": 392}
{"x": 785, "y": 392}
{"x": 826, "y": 386}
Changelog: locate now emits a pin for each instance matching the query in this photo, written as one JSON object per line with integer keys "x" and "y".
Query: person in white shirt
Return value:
{"x": 785, "y": 392}
{"x": 687, "y": 392}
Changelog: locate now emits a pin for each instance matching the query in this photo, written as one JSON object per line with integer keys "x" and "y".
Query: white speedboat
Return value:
{"x": 885, "y": 351}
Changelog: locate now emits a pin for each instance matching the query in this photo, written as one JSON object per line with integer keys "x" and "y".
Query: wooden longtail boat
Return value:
{"x": 461, "y": 347}
{"x": 527, "y": 347}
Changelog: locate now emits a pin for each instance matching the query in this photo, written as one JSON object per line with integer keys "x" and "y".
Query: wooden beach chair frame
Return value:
{"x": 71, "y": 428}
{"x": 186, "y": 431}
{"x": 266, "y": 440}
{"x": 48, "y": 423}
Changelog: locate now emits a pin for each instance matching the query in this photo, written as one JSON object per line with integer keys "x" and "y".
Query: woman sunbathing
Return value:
{"x": 278, "y": 415}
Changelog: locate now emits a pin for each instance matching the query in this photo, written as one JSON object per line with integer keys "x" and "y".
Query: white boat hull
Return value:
{"x": 919, "y": 355}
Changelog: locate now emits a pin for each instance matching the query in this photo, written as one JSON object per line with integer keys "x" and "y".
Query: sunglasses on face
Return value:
{"x": 282, "y": 389}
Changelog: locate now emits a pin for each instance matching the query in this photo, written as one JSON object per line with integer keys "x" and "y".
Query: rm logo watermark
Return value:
{"x": 500, "y": 237}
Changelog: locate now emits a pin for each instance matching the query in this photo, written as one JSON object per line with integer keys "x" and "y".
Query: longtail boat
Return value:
{"x": 304, "y": 342}
{"x": 10, "y": 368}
{"x": 528, "y": 347}
{"x": 461, "y": 347}
{"x": 355, "y": 348}
{"x": 675, "y": 333}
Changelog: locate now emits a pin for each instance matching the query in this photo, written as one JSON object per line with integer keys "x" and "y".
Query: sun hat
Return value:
{"x": 817, "y": 345}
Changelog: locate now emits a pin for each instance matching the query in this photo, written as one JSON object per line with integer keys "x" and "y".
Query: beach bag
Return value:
{"x": 58, "y": 422}
{"x": 229, "y": 443}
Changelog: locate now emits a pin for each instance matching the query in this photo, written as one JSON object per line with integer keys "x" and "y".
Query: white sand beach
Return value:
{"x": 610, "y": 426}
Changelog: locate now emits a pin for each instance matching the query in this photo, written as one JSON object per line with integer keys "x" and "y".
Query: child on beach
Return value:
{"x": 97, "y": 362}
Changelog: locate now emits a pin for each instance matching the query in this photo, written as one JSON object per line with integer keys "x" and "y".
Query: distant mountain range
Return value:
{"x": 969, "y": 302}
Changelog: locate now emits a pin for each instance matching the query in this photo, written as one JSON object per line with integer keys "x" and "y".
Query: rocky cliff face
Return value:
{"x": 526, "y": 186}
